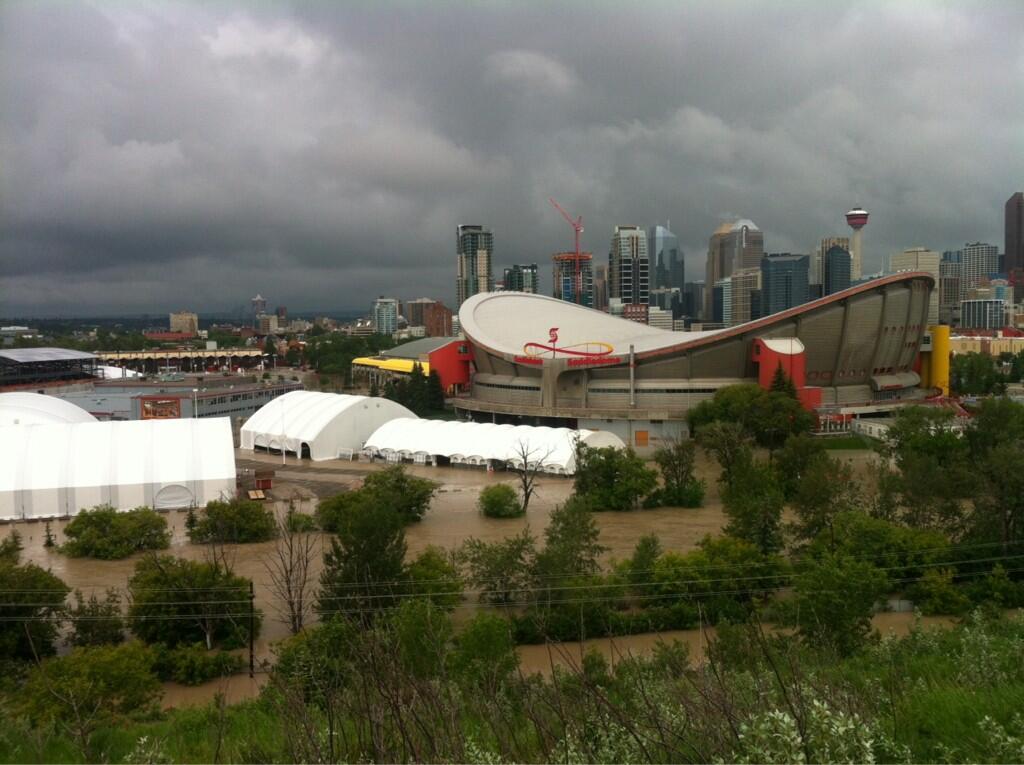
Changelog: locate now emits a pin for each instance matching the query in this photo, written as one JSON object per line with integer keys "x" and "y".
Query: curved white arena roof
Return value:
{"x": 39, "y": 409}
{"x": 486, "y": 319}
{"x": 478, "y": 442}
{"x": 329, "y": 424}
{"x": 59, "y": 469}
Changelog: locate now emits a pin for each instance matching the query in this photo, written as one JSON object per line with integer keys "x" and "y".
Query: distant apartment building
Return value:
{"x": 634, "y": 311}
{"x": 744, "y": 283}
{"x": 784, "y": 282}
{"x": 601, "y": 287}
{"x": 521, "y": 277}
{"x": 979, "y": 262}
{"x": 438, "y": 320}
{"x": 1014, "y": 251}
{"x": 983, "y": 314}
{"x": 816, "y": 266}
{"x": 733, "y": 247}
{"x": 628, "y": 266}
{"x": 566, "y": 283}
{"x": 385, "y": 315}
{"x": 721, "y": 311}
{"x": 950, "y": 276}
{"x": 474, "y": 252}
{"x": 920, "y": 259}
{"x": 659, "y": 317}
{"x": 666, "y": 258}
{"x": 266, "y": 324}
{"x": 184, "y": 322}
{"x": 414, "y": 311}
{"x": 838, "y": 263}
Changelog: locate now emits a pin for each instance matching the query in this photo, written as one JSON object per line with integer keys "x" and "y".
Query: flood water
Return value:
{"x": 451, "y": 520}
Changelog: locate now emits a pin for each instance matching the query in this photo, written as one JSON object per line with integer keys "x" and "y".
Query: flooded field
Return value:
{"x": 452, "y": 519}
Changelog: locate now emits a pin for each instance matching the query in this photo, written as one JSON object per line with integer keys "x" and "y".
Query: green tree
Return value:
{"x": 676, "y": 460}
{"x": 422, "y": 634}
{"x": 571, "y": 544}
{"x": 777, "y": 416}
{"x": 753, "y": 503}
{"x": 365, "y": 565}
{"x": 90, "y": 689}
{"x": 640, "y": 567}
{"x": 612, "y": 479}
{"x": 500, "y": 501}
{"x": 10, "y": 549}
{"x": 95, "y": 621}
{"x": 835, "y": 596}
{"x": 976, "y": 374}
{"x": 485, "y": 655}
{"x": 32, "y": 605}
{"x": 107, "y": 534}
{"x": 236, "y": 521}
{"x": 782, "y": 383}
{"x": 729, "y": 444}
{"x": 176, "y": 601}
{"x": 435, "y": 577}
{"x": 435, "y": 392}
{"x": 826, "y": 490}
{"x": 396, "y": 488}
{"x": 795, "y": 458}
{"x": 500, "y": 570}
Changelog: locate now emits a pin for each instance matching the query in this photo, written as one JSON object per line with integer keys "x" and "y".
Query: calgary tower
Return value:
{"x": 857, "y": 219}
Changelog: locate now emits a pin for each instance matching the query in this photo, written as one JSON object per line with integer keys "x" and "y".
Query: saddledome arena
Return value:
{"x": 539, "y": 360}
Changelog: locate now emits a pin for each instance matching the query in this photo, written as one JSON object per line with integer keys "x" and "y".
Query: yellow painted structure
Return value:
{"x": 938, "y": 364}
{"x": 402, "y": 366}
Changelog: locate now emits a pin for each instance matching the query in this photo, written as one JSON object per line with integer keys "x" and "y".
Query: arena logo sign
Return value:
{"x": 585, "y": 354}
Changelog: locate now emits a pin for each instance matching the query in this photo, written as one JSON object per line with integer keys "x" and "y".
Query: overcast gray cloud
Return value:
{"x": 164, "y": 155}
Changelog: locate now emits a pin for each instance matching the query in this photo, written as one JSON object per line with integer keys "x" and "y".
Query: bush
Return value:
{"x": 612, "y": 479}
{"x": 484, "y": 653}
{"x": 107, "y": 534}
{"x": 687, "y": 495}
{"x": 934, "y": 593}
{"x": 32, "y": 605}
{"x": 997, "y": 589}
{"x": 237, "y": 521}
{"x": 95, "y": 621}
{"x": 432, "y": 576}
{"x": 300, "y": 523}
{"x": 177, "y": 601}
{"x": 500, "y": 501}
{"x": 392, "y": 489}
{"x": 193, "y": 664}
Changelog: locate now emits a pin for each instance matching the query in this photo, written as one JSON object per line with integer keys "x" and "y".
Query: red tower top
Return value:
{"x": 857, "y": 218}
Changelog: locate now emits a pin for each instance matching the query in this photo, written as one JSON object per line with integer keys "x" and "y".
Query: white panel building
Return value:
{"x": 59, "y": 469}
{"x": 321, "y": 426}
{"x": 38, "y": 409}
{"x": 481, "y": 443}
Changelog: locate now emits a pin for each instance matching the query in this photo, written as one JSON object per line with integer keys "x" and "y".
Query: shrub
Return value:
{"x": 392, "y": 489}
{"x": 95, "y": 621}
{"x": 500, "y": 501}
{"x": 237, "y": 521}
{"x": 688, "y": 495}
{"x": 934, "y": 593}
{"x": 997, "y": 589}
{"x": 107, "y": 534}
{"x": 193, "y": 664}
{"x": 612, "y": 479}
{"x": 176, "y": 601}
{"x": 484, "y": 653}
{"x": 432, "y": 576}
{"x": 300, "y": 523}
{"x": 32, "y": 604}
{"x": 92, "y": 688}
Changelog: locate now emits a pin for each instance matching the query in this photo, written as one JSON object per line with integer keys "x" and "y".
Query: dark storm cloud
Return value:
{"x": 160, "y": 155}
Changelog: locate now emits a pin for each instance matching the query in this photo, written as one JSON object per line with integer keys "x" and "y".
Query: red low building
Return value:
{"x": 450, "y": 357}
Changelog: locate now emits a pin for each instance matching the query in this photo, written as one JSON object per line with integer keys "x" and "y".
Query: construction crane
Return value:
{"x": 577, "y": 227}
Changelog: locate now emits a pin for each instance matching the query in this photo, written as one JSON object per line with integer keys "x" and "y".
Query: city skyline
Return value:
{"x": 202, "y": 153}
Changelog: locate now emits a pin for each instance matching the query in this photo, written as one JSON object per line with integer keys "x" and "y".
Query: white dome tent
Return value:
{"x": 476, "y": 443}
{"x": 38, "y": 409}
{"x": 323, "y": 426}
{"x": 54, "y": 470}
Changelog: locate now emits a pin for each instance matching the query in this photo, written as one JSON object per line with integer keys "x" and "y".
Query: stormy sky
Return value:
{"x": 182, "y": 155}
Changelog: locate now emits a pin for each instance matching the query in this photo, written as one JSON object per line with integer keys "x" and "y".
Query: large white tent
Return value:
{"x": 478, "y": 443}
{"x": 323, "y": 425}
{"x": 59, "y": 469}
{"x": 38, "y": 409}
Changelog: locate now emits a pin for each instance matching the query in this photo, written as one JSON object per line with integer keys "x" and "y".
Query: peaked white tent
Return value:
{"x": 477, "y": 443}
{"x": 323, "y": 425}
{"x": 59, "y": 469}
{"x": 38, "y": 409}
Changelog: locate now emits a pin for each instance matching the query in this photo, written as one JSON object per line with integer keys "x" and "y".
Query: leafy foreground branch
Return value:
{"x": 410, "y": 688}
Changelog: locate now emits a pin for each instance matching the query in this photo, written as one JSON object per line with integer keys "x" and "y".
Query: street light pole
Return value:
{"x": 195, "y": 403}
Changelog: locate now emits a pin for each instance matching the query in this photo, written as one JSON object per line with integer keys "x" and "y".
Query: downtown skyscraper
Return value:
{"x": 665, "y": 257}
{"x": 474, "y": 253}
{"x": 628, "y": 266}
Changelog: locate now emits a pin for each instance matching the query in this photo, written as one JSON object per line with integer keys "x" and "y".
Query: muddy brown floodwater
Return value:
{"x": 451, "y": 520}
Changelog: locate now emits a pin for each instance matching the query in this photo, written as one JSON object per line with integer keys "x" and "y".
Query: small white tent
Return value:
{"x": 478, "y": 443}
{"x": 59, "y": 469}
{"x": 323, "y": 425}
{"x": 37, "y": 409}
